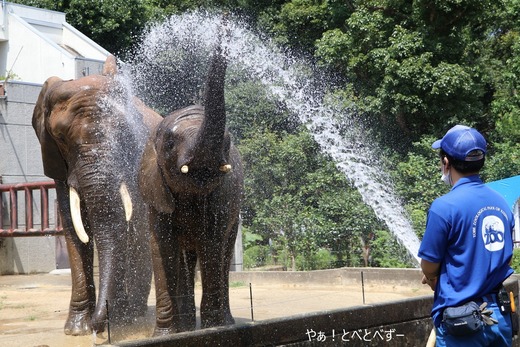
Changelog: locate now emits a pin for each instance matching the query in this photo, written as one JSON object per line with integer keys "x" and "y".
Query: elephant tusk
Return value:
{"x": 127, "y": 201}
{"x": 75, "y": 213}
{"x": 184, "y": 169}
{"x": 225, "y": 168}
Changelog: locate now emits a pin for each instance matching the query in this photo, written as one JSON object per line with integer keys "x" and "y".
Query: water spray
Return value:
{"x": 294, "y": 82}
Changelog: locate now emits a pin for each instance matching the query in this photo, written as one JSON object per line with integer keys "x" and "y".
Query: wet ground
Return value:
{"x": 33, "y": 308}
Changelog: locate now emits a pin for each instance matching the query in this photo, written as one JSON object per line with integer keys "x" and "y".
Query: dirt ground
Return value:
{"x": 33, "y": 308}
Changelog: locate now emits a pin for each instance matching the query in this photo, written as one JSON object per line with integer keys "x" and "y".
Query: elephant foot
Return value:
{"x": 186, "y": 320}
{"x": 163, "y": 331}
{"x": 117, "y": 313}
{"x": 216, "y": 319}
{"x": 229, "y": 320}
{"x": 78, "y": 323}
{"x": 174, "y": 326}
{"x": 138, "y": 309}
{"x": 185, "y": 325}
{"x": 99, "y": 320}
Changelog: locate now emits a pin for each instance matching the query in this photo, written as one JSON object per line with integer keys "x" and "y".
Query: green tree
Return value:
{"x": 503, "y": 162}
{"x": 249, "y": 107}
{"x": 298, "y": 199}
{"x": 300, "y": 23}
{"x": 503, "y": 62}
{"x": 113, "y": 24}
{"x": 417, "y": 177}
{"x": 414, "y": 65}
{"x": 387, "y": 252}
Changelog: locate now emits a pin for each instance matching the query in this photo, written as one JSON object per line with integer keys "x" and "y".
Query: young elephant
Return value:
{"x": 191, "y": 177}
{"x": 90, "y": 150}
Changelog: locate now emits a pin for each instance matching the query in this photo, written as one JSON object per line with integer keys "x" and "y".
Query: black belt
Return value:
{"x": 492, "y": 296}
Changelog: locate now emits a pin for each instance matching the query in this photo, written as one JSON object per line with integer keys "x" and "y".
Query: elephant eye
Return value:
{"x": 169, "y": 141}
{"x": 58, "y": 137}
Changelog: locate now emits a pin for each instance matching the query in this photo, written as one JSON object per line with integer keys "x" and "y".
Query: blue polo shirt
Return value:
{"x": 469, "y": 232}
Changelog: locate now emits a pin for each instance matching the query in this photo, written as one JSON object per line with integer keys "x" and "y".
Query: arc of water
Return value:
{"x": 353, "y": 156}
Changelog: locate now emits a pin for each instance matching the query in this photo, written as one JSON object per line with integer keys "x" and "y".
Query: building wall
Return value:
{"x": 21, "y": 158}
{"x": 21, "y": 162}
{"x": 34, "y": 57}
{"x": 35, "y": 44}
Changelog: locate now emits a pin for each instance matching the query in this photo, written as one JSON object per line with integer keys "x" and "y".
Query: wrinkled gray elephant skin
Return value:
{"x": 191, "y": 178}
{"x": 90, "y": 151}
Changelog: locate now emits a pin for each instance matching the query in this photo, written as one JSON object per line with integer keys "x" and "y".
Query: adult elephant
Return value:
{"x": 191, "y": 178}
{"x": 91, "y": 149}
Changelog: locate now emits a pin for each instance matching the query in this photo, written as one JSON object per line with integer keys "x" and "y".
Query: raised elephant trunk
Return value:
{"x": 211, "y": 137}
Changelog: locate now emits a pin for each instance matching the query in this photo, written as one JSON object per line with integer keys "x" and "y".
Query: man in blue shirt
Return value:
{"x": 467, "y": 245}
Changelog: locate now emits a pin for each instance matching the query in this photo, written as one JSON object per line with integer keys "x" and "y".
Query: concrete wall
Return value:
{"x": 20, "y": 161}
{"x": 21, "y": 157}
{"x": 332, "y": 277}
{"x": 35, "y": 45}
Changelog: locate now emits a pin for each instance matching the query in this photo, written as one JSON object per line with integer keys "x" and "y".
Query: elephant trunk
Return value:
{"x": 75, "y": 210}
{"x": 210, "y": 139}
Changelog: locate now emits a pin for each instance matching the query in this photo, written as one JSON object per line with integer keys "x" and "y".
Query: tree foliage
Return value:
{"x": 296, "y": 196}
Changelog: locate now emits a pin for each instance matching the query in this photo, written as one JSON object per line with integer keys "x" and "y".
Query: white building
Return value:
{"x": 35, "y": 44}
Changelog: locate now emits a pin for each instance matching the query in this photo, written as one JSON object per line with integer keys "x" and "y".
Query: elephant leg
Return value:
{"x": 139, "y": 265}
{"x": 186, "y": 290}
{"x": 214, "y": 307}
{"x": 228, "y": 255}
{"x": 164, "y": 262}
{"x": 83, "y": 296}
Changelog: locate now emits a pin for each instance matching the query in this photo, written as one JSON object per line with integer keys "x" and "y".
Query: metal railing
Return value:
{"x": 9, "y": 210}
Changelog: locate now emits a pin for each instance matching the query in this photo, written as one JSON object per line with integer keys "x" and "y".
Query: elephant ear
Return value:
{"x": 151, "y": 184}
{"x": 54, "y": 166}
{"x": 110, "y": 66}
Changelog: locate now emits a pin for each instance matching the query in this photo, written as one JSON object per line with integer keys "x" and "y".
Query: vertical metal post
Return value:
{"x": 363, "y": 287}
{"x": 251, "y": 300}
{"x": 28, "y": 209}
{"x": 44, "y": 203}
{"x": 108, "y": 324}
{"x": 14, "y": 209}
{"x": 1, "y": 207}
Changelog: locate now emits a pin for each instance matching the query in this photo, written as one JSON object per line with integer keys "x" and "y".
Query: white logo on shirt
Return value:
{"x": 493, "y": 233}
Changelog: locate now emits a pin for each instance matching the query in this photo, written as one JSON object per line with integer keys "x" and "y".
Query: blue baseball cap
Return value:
{"x": 462, "y": 143}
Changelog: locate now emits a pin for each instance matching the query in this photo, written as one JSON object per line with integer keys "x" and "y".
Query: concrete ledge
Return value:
{"x": 300, "y": 329}
{"x": 336, "y": 277}
{"x": 398, "y": 323}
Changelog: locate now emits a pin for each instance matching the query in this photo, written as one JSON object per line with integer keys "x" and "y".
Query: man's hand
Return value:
{"x": 430, "y": 271}
{"x": 432, "y": 282}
